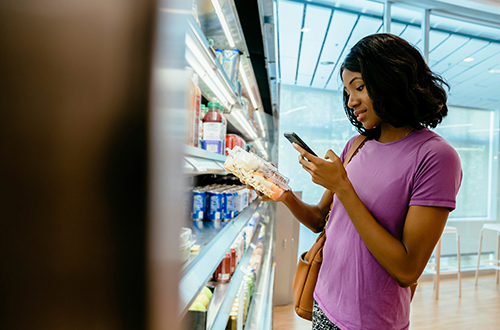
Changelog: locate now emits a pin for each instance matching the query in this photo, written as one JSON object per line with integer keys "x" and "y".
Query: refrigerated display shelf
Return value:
{"x": 214, "y": 83}
{"x": 215, "y": 240}
{"x": 221, "y": 312}
{"x": 260, "y": 311}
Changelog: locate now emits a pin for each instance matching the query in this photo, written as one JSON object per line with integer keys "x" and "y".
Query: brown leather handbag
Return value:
{"x": 309, "y": 264}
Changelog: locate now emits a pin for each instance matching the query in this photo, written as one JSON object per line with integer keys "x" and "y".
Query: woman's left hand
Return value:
{"x": 328, "y": 172}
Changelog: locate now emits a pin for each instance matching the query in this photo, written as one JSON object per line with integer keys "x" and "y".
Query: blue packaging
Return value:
{"x": 238, "y": 200}
{"x": 230, "y": 210}
{"x": 218, "y": 55}
{"x": 198, "y": 205}
{"x": 245, "y": 197}
{"x": 215, "y": 205}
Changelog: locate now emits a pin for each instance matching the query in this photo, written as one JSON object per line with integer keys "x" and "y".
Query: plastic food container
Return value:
{"x": 186, "y": 235}
{"x": 187, "y": 240}
{"x": 256, "y": 172}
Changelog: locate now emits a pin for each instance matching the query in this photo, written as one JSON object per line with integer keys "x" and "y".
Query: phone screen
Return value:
{"x": 292, "y": 137}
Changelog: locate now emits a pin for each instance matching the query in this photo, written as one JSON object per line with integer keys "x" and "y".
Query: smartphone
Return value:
{"x": 292, "y": 137}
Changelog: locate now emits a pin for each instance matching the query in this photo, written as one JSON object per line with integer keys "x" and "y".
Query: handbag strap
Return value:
{"x": 353, "y": 150}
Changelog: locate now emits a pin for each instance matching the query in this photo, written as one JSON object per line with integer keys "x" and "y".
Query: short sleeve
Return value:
{"x": 437, "y": 176}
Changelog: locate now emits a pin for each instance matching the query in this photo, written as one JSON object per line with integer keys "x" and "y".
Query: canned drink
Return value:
{"x": 215, "y": 204}
{"x": 229, "y": 204}
{"x": 198, "y": 205}
{"x": 245, "y": 197}
{"x": 230, "y": 142}
{"x": 240, "y": 199}
{"x": 223, "y": 271}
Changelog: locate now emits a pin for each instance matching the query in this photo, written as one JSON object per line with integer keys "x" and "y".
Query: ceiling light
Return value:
{"x": 468, "y": 59}
{"x": 261, "y": 123}
{"x": 327, "y": 63}
{"x": 305, "y": 30}
{"x": 247, "y": 86}
{"x": 200, "y": 62}
{"x": 494, "y": 71}
{"x": 223, "y": 22}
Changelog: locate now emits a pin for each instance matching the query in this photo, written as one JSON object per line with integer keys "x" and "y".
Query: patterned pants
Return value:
{"x": 320, "y": 321}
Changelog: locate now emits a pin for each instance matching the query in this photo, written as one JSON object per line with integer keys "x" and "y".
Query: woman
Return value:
{"x": 391, "y": 203}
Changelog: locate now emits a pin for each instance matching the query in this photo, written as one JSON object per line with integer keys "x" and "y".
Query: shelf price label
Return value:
{"x": 196, "y": 163}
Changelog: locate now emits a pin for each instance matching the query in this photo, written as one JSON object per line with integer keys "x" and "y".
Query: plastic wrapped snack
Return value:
{"x": 256, "y": 172}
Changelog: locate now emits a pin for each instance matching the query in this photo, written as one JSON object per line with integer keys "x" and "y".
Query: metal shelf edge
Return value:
{"x": 201, "y": 153}
{"x": 262, "y": 301}
{"x": 220, "y": 321}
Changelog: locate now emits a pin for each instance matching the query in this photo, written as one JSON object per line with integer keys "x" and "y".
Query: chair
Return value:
{"x": 437, "y": 264}
{"x": 494, "y": 227}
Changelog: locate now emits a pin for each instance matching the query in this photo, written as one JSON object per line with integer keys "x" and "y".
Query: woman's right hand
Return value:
{"x": 264, "y": 198}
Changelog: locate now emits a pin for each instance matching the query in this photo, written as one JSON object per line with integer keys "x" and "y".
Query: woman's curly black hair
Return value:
{"x": 403, "y": 88}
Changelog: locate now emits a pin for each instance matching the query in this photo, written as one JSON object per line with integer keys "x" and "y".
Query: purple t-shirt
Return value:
{"x": 353, "y": 289}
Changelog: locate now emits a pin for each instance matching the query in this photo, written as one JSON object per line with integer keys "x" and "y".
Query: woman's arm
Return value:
{"x": 404, "y": 260}
{"x": 311, "y": 216}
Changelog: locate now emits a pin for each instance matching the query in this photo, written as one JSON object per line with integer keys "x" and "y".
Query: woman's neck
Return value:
{"x": 389, "y": 133}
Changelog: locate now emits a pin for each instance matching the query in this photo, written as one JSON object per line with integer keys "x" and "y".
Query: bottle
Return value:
{"x": 212, "y": 127}
{"x": 211, "y": 47}
{"x": 197, "y": 111}
{"x": 223, "y": 131}
{"x": 195, "y": 14}
{"x": 191, "y": 106}
{"x": 203, "y": 111}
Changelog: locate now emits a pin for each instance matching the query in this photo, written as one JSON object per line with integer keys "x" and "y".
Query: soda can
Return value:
{"x": 215, "y": 204}
{"x": 239, "y": 201}
{"x": 230, "y": 197}
{"x": 230, "y": 142}
{"x": 245, "y": 197}
{"x": 198, "y": 205}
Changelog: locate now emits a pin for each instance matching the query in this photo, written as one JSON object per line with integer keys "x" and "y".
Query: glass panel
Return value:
{"x": 467, "y": 56}
{"x": 318, "y": 118}
{"x": 406, "y": 22}
{"x": 469, "y": 131}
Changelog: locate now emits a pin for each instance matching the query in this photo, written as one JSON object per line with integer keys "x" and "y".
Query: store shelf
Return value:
{"x": 216, "y": 240}
{"x": 203, "y": 154}
{"x": 260, "y": 312}
{"x": 222, "y": 310}
{"x": 199, "y": 161}
{"x": 214, "y": 83}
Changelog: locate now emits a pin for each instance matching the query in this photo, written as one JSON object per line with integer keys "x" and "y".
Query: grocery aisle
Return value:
{"x": 477, "y": 309}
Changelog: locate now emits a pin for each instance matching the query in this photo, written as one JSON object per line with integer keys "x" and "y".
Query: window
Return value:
{"x": 314, "y": 43}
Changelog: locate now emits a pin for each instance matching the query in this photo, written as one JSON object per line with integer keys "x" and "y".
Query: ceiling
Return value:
{"x": 315, "y": 36}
